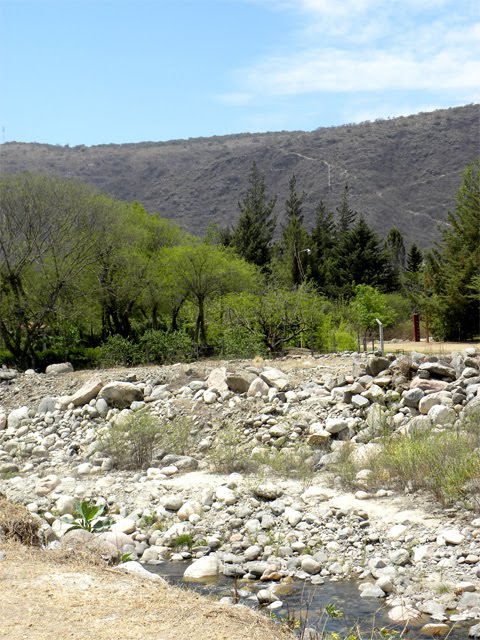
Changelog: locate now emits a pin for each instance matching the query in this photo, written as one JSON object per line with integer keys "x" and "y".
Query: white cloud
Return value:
{"x": 370, "y": 45}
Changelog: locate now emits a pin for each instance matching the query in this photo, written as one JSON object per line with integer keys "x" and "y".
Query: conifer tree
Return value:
{"x": 457, "y": 260}
{"x": 294, "y": 248}
{"x": 346, "y": 215}
{"x": 252, "y": 236}
{"x": 322, "y": 243}
{"x": 414, "y": 259}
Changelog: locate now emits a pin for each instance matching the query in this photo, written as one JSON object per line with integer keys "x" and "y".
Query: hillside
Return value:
{"x": 403, "y": 171}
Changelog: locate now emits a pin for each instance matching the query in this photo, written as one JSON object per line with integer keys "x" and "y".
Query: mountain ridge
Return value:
{"x": 401, "y": 172}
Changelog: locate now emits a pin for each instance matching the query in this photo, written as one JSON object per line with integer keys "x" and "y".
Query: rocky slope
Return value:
{"x": 403, "y": 549}
{"x": 401, "y": 172}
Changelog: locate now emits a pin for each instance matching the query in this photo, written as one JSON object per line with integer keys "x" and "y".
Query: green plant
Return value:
{"x": 183, "y": 540}
{"x": 119, "y": 351}
{"x": 130, "y": 442}
{"x": 125, "y": 557}
{"x": 164, "y": 346}
{"x": 229, "y": 454}
{"x": 89, "y": 517}
{"x": 175, "y": 436}
{"x": 290, "y": 462}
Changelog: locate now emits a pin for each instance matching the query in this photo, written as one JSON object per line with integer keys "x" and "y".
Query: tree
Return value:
{"x": 346, "y": 215}
{"x": 202, "y": 272}
{"x": 46, "y": 245}
{"x": 395, "y": 249}
{"x": 360, "y": 259}
{"x": 368, "y": 305}
{"x": 252, "y": 236}
{"x": 457, "y": 262}
{"x": 322, "y": 244}
{"x": 293, "y": 249}
{"x": 414, "y": 259}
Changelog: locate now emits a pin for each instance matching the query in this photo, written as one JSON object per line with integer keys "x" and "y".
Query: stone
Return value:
{"x": 240, "y": 382}
{"x": 266, "y": 596}
{"x": 275, "y": 378}
{"x": 88, "y": 391}
{"x": 335, "y": 425}
{"x": 292, "y": 516}
{"x": 81, "y": 540}
{"x": 452, "y": 536}
{"x": 442, "y": 415}
{"x": 310, "y": 565}
{"x": 226, "y": 495}
{"x": 403, "y": 613}
{"x": 116, "y": 538}
{"x": 372, "y": 591}
{"x": 137, "y": 569}
{"x": 376, "y": 364}
{"x": 209, "y": 397}
{"x": 268, "y": 491}
{"x": 428, "y": 385}
{"x": 435, "y": 629}
{"x": 360, "y": 402}
{"x": 438, "y": 369}
{"x": 124, "y": 525}
{"x": 120, "y": 394}
{"x": 396, "y": 532}
{"x": 16, "y": 416}
{"x": 217, "y": 379}
{"x": 202, "y": 569}
{"x": 47, "y": 405}
{"x": 46, "y": 485}
{"x": 65, "y": 504}
{"x": 59, "y": 368}
{"x": 257, "y": 386}
{"x": 412, "y": 397}
{"x": 474, "y": 632}
{"x": 188, "y": 509}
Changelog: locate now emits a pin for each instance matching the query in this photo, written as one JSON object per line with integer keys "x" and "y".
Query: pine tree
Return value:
{"x": 458, "y": 262}
{"x": 322, "y": 243}
{"x": 346, "y": 215}
{"x": 395, "y": 248}
{"x": 252, "y": 236}
{"x": 414, "y": 259}
{"x": 294, "y": 248}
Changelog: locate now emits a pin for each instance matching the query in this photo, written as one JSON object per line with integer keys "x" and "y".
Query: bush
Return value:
{"x": 131, "y": 441}
{"x": 165, "y": 347}
{"x": 175, "y": 436}
{"x": 290, "y": 462}
{"x": 17, "y": 523}
{"x": 119, "y": 351}
{"x": 6, "y": 358}
{"x": 443, "y": 463}
{"x": 229, "y": 454}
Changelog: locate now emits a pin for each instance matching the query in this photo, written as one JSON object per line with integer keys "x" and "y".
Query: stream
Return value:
{"x": 304, "y": 601}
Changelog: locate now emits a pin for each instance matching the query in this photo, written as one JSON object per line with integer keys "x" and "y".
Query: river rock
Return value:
{"x": 120, "y": 394}
{"x": 59, "y": 368}
{"x": 137, "y": 569}
{"x": 403, "y": 613}
{"x": 188, "y": 509}
{"x": 376, "y": 364}
{"x": 442, "y": 415}
{"x": 275, "y": 378}
{"x": 435, "y": 629}
{"x": 87, "y": 392}
{"x": 217, "y": 379}
{"x": 372, "y": 591}
{"x": 203, "y": 568}
{"x": 268, "y": 491}
{"x": 46, "y": 485}
{"x": 335, "y": 425}
{"x": 438, "y": 369}
{"x": 16, "y": 416}
{"x": 257, "y": 386}
{"x": 240, "y": 382}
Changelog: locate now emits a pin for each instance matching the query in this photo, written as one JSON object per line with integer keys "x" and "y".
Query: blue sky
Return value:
{"x": 101, "y": 71}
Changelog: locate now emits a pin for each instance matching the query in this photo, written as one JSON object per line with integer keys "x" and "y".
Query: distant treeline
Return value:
{"x": 92, "y": 279}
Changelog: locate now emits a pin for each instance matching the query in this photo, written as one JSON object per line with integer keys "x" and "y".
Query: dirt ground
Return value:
{"x": 43, "y": 595}
{"x": 433, "y": 348}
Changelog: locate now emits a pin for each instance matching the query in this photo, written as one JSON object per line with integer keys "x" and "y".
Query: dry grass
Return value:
{"x": 17, "y": 523}
{"x": 47, "y": 595}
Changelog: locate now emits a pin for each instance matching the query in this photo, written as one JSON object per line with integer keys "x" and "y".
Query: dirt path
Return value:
{"x": 45, "y": 596}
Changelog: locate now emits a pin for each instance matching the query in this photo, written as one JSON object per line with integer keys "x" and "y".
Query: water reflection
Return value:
{"x": 306, "y": 602}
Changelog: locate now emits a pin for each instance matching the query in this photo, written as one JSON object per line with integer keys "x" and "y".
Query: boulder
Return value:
{"x": 275, "y": 378}
{"x": 257, "y": 386}
{"x": 120, "y": 394}
{"x": 217, "y": 379}
{"x": 438, "y": 369}
{"x": 268, "y": 491}
{"x": 240, "y": 382}
{"x": 203, "y": 569}
{"x": 59, "y": 369}
{"x": 16, "y": 416}
{"x": 87, "y": 392}
{"x": 376, "y": 364}
{"x": 46, "y": 485}
{"x": 137, "y": 569}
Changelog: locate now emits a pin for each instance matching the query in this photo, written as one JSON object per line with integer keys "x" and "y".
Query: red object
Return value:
{"x": 416, "y": 327}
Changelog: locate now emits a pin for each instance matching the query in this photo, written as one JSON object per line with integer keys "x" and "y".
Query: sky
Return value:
{"x": 114, "y": 71}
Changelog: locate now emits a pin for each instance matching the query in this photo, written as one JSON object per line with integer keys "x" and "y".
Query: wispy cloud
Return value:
{"x": 371, "y": 46}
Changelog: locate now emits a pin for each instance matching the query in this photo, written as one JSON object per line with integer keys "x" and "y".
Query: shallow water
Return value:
{"x": 307, "y": 602}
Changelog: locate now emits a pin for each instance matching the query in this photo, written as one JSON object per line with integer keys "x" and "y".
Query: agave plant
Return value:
{"x": 89, "y": 517}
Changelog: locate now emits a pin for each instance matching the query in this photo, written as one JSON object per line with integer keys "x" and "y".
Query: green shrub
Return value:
{"x": 289, "y": 462}
{"x": 130, "y": 442}
{"x": 176, "y": 437}
{"x": 442, "y": 463}
{"x": 89, "y": 517}
{"x": 165, "y": 347}
{"x": 229, "y": 454}
{"x": 6, "y": 358}
{"x": 119, "y": 351}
